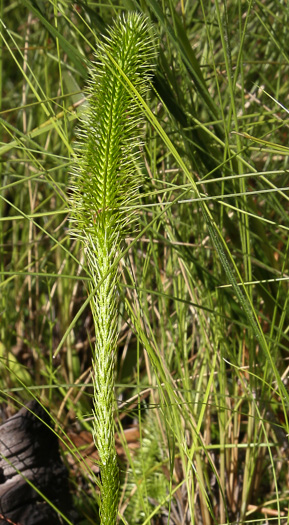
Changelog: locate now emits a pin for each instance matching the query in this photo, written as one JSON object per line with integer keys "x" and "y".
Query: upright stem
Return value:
{"x": 103, "y": 186}
{"x": 104, "y": 310}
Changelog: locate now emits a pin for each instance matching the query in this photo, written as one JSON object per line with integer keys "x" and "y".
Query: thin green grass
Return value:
{"x": 203, "y": 346}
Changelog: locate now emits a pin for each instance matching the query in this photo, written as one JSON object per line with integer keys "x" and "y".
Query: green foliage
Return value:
{"x": 102, "y": 190}
{"x": 107, "y": 179}
{"x": 147, "y": 484}
{"x": 203, "y": 333}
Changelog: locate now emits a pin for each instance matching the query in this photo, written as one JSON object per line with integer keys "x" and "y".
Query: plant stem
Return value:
{"x": 103, "y": 186}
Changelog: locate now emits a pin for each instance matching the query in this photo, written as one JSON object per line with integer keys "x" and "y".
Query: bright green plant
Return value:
{"x": 217, "y": 407}
{"x": 103, "y": 186}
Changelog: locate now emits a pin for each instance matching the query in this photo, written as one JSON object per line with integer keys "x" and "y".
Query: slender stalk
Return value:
{"x": 103, "y": 185}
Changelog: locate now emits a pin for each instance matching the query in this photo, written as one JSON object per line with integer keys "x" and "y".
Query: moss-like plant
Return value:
{"x": 104, "y": 182}
{"x": 147, "y": 482}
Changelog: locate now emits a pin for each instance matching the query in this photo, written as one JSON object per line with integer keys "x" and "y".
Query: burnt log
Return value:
{"x": 30, "y": 468}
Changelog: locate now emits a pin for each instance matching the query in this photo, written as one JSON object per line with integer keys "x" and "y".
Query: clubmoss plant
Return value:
{"x": 103, "y": 184}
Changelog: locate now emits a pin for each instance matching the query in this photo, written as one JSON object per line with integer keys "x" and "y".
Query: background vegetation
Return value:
{"x": 202, "y": 401}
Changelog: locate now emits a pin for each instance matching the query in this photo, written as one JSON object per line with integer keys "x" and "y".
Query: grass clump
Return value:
{"x": 202, "y": 350}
